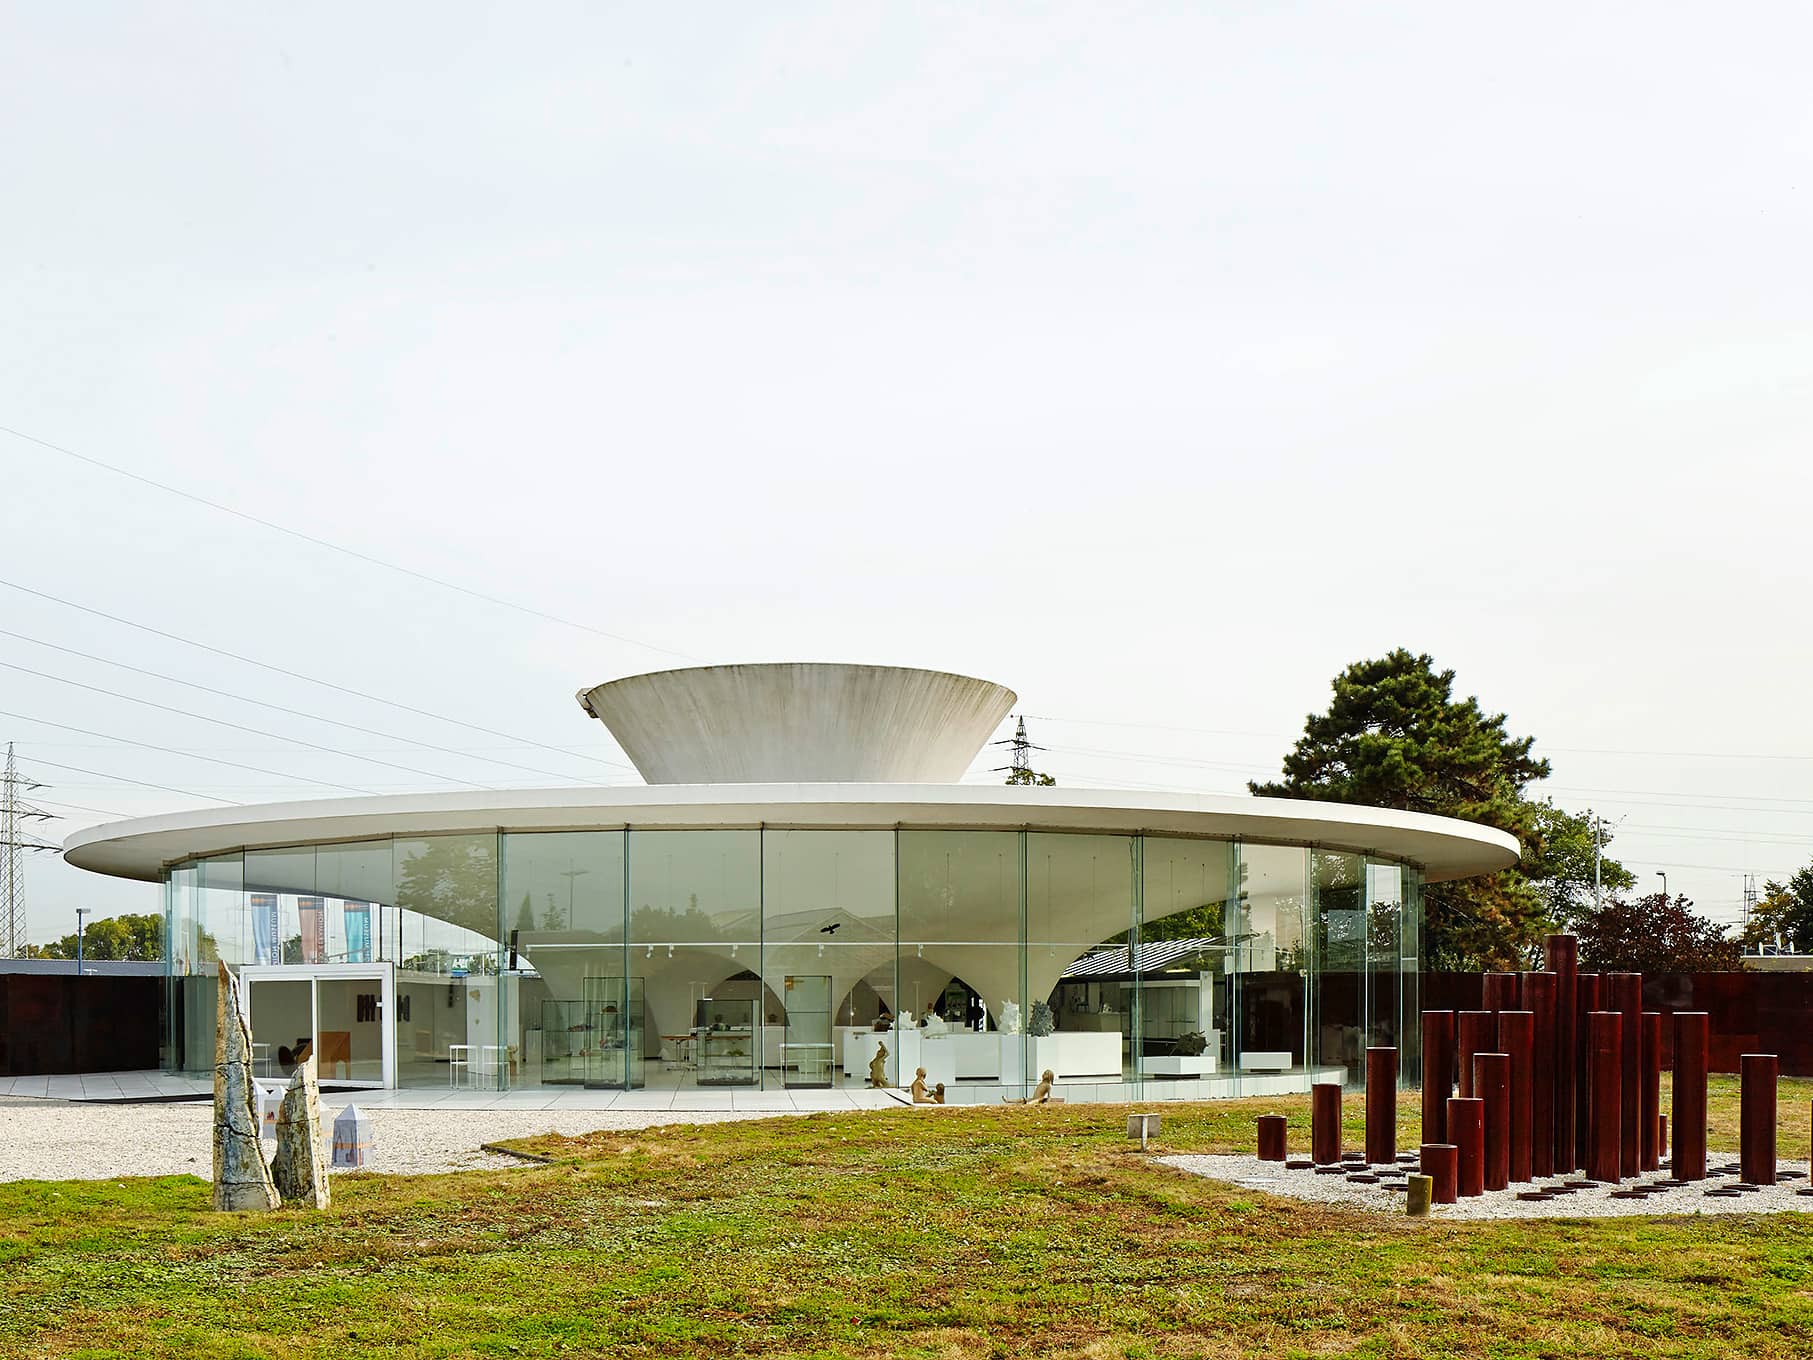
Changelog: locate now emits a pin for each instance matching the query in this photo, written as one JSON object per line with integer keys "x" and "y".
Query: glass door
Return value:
{"x": 806, "y": 1047}
{"x": 344, "y": 1013}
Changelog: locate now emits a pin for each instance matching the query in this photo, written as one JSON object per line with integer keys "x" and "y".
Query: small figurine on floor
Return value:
{"x": 1041, "y": 1093}
{"x": 923, "y": 1097}
{"x": 878, "y": 1066}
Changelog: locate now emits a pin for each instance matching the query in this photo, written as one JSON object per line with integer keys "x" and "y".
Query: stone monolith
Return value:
{"x": 299, "y": 1166}
{"x": 241, "y": 1178}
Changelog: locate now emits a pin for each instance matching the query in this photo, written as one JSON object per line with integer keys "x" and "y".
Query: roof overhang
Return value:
{"x": 1442, "y": 847}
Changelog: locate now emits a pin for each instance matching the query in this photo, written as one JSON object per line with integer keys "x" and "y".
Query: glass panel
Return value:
{"x": 612, "y": 1037}
{"x": 564, "y": 942}
{"x": 282, "y": 1015}
{"x": 358, "y": 895}
{"x": 1272, "y": 960}
{"x": 1184, "y": 963}
{"x": 828, "y": 910}
{"x": 220, "y": 906}
{"x": 1338, "y": 885}
{"x": 1079, "y": 895}
{"x": 961, "y": 922}
{"x": 1384, "y": 952}
{"x": 349, "y": 1036}
{"x": 446, "y": 930}
{"x": 695, "y": 937}
{"x": 806, "y": 1048}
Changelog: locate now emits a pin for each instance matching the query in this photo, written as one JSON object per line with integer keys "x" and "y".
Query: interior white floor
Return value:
{"x": 668, "y": 1090}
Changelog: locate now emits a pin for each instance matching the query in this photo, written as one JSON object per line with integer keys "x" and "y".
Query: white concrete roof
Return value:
{"x": 1444, "y": 847}
{"x": 789, "y": 722}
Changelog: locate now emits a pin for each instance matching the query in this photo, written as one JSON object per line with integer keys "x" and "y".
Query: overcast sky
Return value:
{"x": 1154, "y": 362}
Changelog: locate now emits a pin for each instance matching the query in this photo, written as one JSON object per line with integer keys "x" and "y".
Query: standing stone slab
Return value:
{"x": 299, "y": 1166}
{"x": 241, "y": 1179}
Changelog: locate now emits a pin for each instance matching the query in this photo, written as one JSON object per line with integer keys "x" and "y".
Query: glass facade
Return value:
{"x": 768, "y": 959}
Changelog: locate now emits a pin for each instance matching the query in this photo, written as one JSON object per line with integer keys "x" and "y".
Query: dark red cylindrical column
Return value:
{"x": 1627, "y": 1000}
{"x": 1492, "y": 1083}
{"x": 1440, "y": 1163}
{"x": 1563, "y": 959}
{"x": 1271, "y": 1137}
{"x": 1516, "y": 1034}
{"x": 1438, "y": 1073}
{"x": 1586, "y": 1001}
{"x": 1693, "y": 1037}
{"x": 1756, "y": 1118}
{"x": 1474, "y": 1032}
{"x": 1649, "y": 1103}
{"x": 1325, "y": 1123}
{"x": 1498, "y": 992}
{"x": 1381, "y": 1106}
{"x": 1467, "y": 1131}
{"x": 1605, "y": 1072}
{"x": 1539, "y": 1001}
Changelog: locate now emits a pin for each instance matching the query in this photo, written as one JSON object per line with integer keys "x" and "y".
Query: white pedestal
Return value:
{"x": 939, "y": 1059}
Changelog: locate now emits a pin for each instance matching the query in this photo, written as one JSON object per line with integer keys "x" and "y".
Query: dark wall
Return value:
{"x": 1749, "y": 1012}
{"x": 62, "y": 1023}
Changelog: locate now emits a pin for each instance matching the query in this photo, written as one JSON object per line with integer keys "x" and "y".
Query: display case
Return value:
{"x": 725, "y": 1041}
{"x": 806, "y": 1046}
{"x": 615, "y": 1037}
{"x": 564, "y": 1036}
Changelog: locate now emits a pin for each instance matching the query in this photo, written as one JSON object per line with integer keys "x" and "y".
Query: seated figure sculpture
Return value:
{"x": 1041, "y": 1093}
{"x": 921, "y": 1096}
{"x": 878, "y": 1066}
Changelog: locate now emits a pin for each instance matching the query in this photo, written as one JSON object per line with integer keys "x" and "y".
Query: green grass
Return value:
{"x": 936, "y": 1233}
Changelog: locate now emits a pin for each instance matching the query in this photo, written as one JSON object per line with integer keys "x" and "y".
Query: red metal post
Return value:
{"x": 1649, "y": 1107}
{"x": 1440, "y": 1163}
{"x": 1492, "y": 1083}
{"x": 1474, "y": 1032}
{"x": 1498, "y": 992}
{"x": 1467, "y": 1131}
{"x": 1687, "y": 1157}
{"x": 1438, "y": 1073}
{"x": 1627, "y": 1000}
{"x": 1271, "y": 1137}
{"x": 1756, "y": 1118}
{"x": 1586, "y": 1001}
{"x": 1562, "y": 953}
{"x": 1516, "y": 1034}
{"x": 1539, "y": 1000}
{"x": 1381, "y": 1106}
{"x": 1325, "y": 1122}
{"x": 1605, "y": 1070}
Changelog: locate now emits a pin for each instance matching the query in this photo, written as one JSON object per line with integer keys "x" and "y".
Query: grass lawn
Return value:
{"x": 939, "y": 1233}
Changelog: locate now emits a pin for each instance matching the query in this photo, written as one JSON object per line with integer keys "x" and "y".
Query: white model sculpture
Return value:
{"x": 1009, "y": 1020}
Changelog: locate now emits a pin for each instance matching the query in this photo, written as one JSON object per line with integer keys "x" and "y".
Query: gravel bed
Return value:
{"x": 1596, "y": 1202}
{"x": 56, "y": 1140}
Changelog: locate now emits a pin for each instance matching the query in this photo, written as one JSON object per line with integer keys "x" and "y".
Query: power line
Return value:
{"x": 82, "y": 807}
{"x": 279, "y": 708}
{"x": 176, "y": 751}
{"x": 300, "y": 675}
{"x": 241, "y": 727}
{"x": 121, "y": 780}
{"x": 339, "y": 548}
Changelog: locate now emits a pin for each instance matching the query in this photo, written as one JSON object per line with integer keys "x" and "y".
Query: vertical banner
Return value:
{"x": 358, "y": 932}
{"x": 314, "y": 929}
{"x": 266, "y": 946}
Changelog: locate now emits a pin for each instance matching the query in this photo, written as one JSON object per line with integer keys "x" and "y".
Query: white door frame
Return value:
{"x": 384, "y": 974}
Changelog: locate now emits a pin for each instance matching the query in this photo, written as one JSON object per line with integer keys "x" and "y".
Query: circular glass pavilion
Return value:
{"x": 803, "y": 897}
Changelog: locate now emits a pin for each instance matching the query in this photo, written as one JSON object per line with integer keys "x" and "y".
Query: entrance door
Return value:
{"x": 345, "y": 1009}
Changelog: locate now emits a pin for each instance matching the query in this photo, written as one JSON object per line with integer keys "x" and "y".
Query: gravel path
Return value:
{"x": 56, "y": 1140}
{"x": 1275, "y": 1178}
